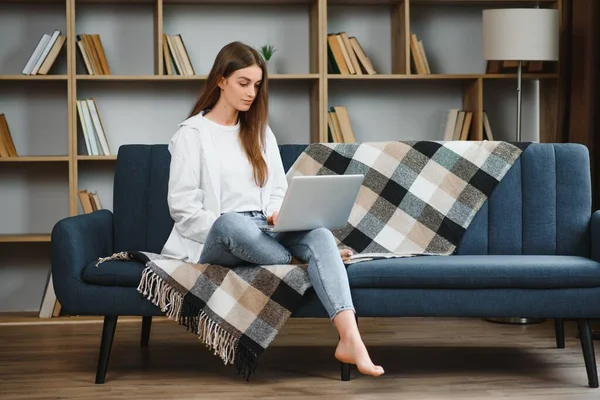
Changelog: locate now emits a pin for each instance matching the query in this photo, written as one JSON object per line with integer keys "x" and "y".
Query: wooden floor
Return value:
{"x": 423, "y": 359}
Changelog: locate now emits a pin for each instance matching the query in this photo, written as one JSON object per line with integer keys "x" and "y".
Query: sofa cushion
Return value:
{"x": 449, "y": 272}
{"x": 476, "y": 271}
{"x": 113, "y": 273}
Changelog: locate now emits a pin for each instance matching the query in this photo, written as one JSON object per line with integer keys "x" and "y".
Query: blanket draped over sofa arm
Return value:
{"x": 417, "y": 199}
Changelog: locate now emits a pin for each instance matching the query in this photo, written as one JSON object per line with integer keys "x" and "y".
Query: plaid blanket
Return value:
{"x": 235, "y": 312}
{"x": 417, "y": 198}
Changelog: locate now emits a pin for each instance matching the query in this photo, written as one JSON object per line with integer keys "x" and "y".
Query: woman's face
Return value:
{"x": 241, "y": 88}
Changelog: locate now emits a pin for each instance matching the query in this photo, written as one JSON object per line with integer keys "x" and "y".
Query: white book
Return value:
{"x": 449, "y": 124}
{"x": 86, "y": 135}
{"x": 98, "y": 126}
{"x": 36, "y": 54}
{"x": 90, "y": 127}
{"x": 45, "y": 52}
{"x": 48, "y": 299}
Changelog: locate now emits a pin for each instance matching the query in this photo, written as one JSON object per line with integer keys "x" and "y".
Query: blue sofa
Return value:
{"x": 531, "y": 251}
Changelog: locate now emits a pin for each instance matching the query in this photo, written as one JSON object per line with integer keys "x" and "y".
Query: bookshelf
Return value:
{"x": 139, "y": 103}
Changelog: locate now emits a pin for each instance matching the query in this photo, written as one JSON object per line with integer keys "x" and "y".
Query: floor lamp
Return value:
{"x": 520, "y": 34}
{"x": 516, "y": 34}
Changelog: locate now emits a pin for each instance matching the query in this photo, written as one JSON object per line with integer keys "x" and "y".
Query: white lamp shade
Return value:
{"x": 525, "y": 34}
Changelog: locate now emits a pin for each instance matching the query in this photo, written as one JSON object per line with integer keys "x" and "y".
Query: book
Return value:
{"x": 176, "y": 57}
{"x": 92, "y": 129}
{"x": 37, "y": 52}
{"x": 417, "y": 51}
{"x": 92, "y": 53}
{"x": 7, "y": 146}
{"x": 365, "y": 61}
{"x": 45, "y": 54}
{"x": 346, "y": 56}
{"x": 344, "y": 123}
{"x": 89, "y": 201}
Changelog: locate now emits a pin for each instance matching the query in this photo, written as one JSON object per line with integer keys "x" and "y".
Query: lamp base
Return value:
{"x": 516, "y": 320}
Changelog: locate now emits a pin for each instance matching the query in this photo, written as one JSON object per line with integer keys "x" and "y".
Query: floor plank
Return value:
{"x": 424, "y": 358}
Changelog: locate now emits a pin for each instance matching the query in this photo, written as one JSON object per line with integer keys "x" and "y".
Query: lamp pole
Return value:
{"x": 519, "y": 94}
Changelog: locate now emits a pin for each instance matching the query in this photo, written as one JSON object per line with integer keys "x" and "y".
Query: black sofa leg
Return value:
{"x": 146, "y": 325}
{"x": 589, "y": 356}
{"x": 108, "y": 334}
{"x": 345, "y": 367}
{"x": 559, "y": 332}
{"x": 345, "y": 371}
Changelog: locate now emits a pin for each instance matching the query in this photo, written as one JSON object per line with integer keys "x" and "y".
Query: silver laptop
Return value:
{"x": 322, "y": 201}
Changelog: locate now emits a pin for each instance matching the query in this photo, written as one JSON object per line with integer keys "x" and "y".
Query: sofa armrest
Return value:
{"x": 75, "y": 242}
{"x": 595, "y": 237}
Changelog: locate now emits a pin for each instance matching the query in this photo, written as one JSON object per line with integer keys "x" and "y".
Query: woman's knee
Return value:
{"x": 321, "y": 235}
{"x": 320, "y": 240}
{"x": 231, "y": 225}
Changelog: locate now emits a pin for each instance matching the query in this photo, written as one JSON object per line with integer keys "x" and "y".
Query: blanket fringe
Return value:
{"x": 187, "y": 314}
{"x": 123, "y": 255}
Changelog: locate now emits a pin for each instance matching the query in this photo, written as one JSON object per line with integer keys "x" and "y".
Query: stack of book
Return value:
{"x": 177, "y": 59}
{"x": 92, "y": 53}
{"x": 420, "y": 64}
{"x": 346, "y": 56}
{"x": 45, "y": 53}
{"x": 7, "y": 147}
{"x": 96, "y": 141}
{"x": 339, "y": 126}
{"x": 90, "y": 201}
{"x": 458, "y": 125}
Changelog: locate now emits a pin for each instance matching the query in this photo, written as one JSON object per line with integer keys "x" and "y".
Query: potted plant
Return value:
{"x": 267, "y": 51}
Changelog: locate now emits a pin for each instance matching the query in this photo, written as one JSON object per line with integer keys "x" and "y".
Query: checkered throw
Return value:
{"x": 235, "y": 312}
{"x": 417, "y": 198}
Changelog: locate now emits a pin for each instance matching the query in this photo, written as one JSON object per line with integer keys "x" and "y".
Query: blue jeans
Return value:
{"x": 235, "y": 239}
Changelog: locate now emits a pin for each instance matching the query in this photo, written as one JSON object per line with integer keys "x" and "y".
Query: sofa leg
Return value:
{"x": 345, "y": 371}
{"x": 108, "y": 334}
{"x": 146, "y": 325}
{"x": 345, "y": 367}
{"x": 589, "y": 356}
{"x": 559, "y": 332}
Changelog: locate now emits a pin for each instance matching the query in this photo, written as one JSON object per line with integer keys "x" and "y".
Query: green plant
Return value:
{"x": 267, "y": 51}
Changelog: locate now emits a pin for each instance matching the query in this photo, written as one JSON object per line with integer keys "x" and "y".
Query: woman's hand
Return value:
{"x": 272, "y": 219}
{"x": 346, "y": 254}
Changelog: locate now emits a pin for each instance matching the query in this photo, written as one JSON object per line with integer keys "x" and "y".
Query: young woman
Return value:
{"x": 227, "y": 176}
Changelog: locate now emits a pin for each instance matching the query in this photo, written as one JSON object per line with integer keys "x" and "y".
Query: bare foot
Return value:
{"x": 346, "y": 254}
{"x": 353, "y": 351}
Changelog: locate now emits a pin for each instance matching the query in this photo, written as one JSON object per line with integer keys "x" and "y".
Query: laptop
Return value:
{"x": 322, "y": 201}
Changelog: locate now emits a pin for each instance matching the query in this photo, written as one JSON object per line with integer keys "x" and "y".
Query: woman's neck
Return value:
{"x": 223, "y": 114}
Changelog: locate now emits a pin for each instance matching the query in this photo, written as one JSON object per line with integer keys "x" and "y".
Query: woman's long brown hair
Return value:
{"x": 230, "y": 58}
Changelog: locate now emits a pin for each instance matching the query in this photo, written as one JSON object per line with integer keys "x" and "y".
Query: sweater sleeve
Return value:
{"x": 278, "y": 181}
{"x": 185, "y": 196}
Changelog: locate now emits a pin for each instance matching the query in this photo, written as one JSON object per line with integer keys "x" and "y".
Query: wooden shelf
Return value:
{"x": 33, "y": 78}
{"x": 486, "y": 3}
{"x": 438, "y": 76}
{"x": 96, "y": 158}
{"x": 170, "y": 78}
{"x": 27, "y": 2}
{"x": 25, "y": 238}
{"x": 34, "y": 159}
{"x": 479, "y": 3}
{"x": 167, "y": 2}
{"x": 307, "y": 96}
{"x": 240, "y": 2}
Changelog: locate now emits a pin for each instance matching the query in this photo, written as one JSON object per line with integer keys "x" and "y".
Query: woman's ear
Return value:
{"x": 222, "y": 82}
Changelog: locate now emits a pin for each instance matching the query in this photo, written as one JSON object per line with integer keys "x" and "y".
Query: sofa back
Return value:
{"x": 542, "y": 206}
